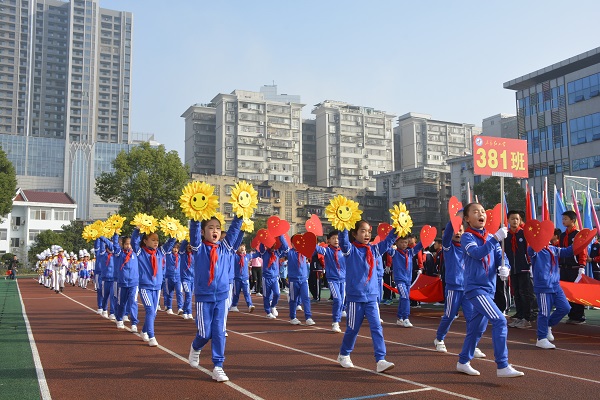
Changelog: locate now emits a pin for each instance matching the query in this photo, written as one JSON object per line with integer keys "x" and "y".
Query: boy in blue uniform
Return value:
{"x": 270, "y": 278}
{"x": 335, "y": 270}
{"x": 109, "y": 276}
{"x": 241, "y": 280}
{"x": 298, "y": 270}
{"x": 483, "y": 260}
{"x": 128, "y": 279}
{"x": 173, "y": 281}
{"x": 363, "y": 291}
{"x": 186, "y": 268}
{"x": 402, "y": 266}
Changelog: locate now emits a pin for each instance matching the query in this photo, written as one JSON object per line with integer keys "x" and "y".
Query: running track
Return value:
{"x": 84, "y": 356}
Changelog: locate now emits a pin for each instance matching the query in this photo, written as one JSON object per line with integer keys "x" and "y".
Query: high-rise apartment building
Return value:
{"x": 65, "y": 79}
{"x": 309, "y": 152}
{"x": 353, "y": 144}
{"x": 558, "y": 113}
{"x": 253, "y": 138}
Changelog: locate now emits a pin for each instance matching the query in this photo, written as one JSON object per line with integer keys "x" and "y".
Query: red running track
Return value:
{"x": 85, "y": 356}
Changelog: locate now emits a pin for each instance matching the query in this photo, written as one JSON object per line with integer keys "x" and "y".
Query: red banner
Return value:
{"x": 500, "y": 157}
{"x": 586, "y": 291}
{"x": 426, "y": 289}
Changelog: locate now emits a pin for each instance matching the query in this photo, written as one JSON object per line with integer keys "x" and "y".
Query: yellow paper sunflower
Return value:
{"x": 107, "y": 229}
{"x": 182, "y": 233}
{"x": 198, "y": 201}
{"x": 401, "y": 219}
{"x": 146, "y": 223}
{"x": 248, "y": 225}
{"x": 244, "y": 199}
{"x": 116, "y": 222}
{"x": 218, "y": 215}
{"x": 342, "y": 213}
{"x": 170, "y": 226}
{"x": 89, "y": 233}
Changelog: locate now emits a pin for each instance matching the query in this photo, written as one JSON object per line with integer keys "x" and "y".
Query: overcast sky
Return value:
{"x": 448, "y": 59}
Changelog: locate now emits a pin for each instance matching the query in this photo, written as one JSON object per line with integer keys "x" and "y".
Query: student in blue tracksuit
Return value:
{"x": 335, "y": 270}
{"x": 151, "y": 258}
{"x": 546, "y": 286}
{"x": 99, "y": 259}
{"x": 212, "y": 288}
{"x": 270, "y": 278}
{"x": 108, "y": 277}
{"x": 402, "y": 267}
{"x": 362, "y": 291}
{"x": 186, "y": 268}
{"x": 173, "y": 281}
{"x": 242, "y": 283}
{"x": 483, "y": 260}
{"x": 298, "y": 270}
{"x": 454, "y": 288}
{"x": 128, "y": 279}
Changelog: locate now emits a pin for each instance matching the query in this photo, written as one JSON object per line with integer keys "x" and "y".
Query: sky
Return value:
{"x": 448, "y": 59}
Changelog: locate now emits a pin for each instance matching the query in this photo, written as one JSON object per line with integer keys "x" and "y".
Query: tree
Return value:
{"x": 8, "y": 184}
{"x": 488, "y": 193}
{"x": 148, "y": 180}
{"x": 69, "y": 239}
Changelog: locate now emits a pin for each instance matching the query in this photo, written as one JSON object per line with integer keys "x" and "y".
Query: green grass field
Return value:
{"x": 18, "y": 379}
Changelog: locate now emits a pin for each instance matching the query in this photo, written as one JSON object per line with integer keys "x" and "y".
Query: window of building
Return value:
{"x": 63, "y": 215}
{"x": 39, "y": 214}
{"x": 3, "y": 234}
{"x": 584, "y": 88}
{"x": 585, "y": 129}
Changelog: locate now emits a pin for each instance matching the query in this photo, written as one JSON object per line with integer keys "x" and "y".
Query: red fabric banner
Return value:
{"x": 426, "y": 289}
{"x": 586, "y": 291}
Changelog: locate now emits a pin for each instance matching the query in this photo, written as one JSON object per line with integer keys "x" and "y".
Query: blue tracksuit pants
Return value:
{"x": 210, "y": 321}
{"x": 171, "y": 287}
{"x": 547, "y": 318}
{"x": 188, "y": 292}
{"x": 357, "y": 311}
{"x": 454, "y": 300}
{"x": 128, "y": 303}
{"x": 338, "y": 293}
{"x": 404, "y": 300}
{"x": 271, "y": 293}
{"x": 108, "y": 290}
{"x": 241, "y": 286}
{"x": 299, "y": 290}
{"x": 149, "y": 299}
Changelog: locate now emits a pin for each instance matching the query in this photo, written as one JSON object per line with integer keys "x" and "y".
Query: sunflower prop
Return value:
{"x": 116, "y": 222}
{"x": 90, "y": 233}
{"x": 183, "y": 233}
{"x": 170, "y": 226}
{"x": 342, "y": 213}
{"x": 198, "y": 201}
{"x": 218, "y": 215}
{"x": 146, "y": 223}
{"x": 248, "y": 225}
{"x": 107, "y": 229}
{"x": 244, "y": 199}
{"x": 401, "y": 219}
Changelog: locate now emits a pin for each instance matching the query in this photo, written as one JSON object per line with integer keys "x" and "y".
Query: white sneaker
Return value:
{"x": 105, "y": 314}
{"x": 226, "y": 334}
{"x": 219, "y": 375}
{"x": 295, "y": 321}
{"x": 112, "y": 317}
{"x": 251, "y": 308}
{"x": 344, "y": 314}
{"x": 544, "y": 344}
{"x": 99, "y": 311}
{"x": 383, "y": 365}
{"x": 134, "y": 328}
{"x": 120, "y": 325}
{"x": 336, "y": 327}
{"x": 550, "y": 336}
{"x": 345, "y": 361}
{"x": 381, "y": 320}
{"x": 399, "y": 322}
{"x": 310, "y": 322}
{"x": 271, "y": 316}
{"x": 170, "y": 311}
{"x": 152, "y": 342}
{"x": 274, "y": 311}
{"x": 234, "y": 309}
{"x": 194, "y": 357}
{"x": 508, "y": 372}
{"x": 145, "y": 337}
{"x": 478, "y": 353}
{"x": 440, "y": 346}
{"x": 467, "y": 369}
{"x": 185, "y": 316}
{"x": 179, "y": 312}
{"x": 407, "y": 323}
{"x": 259, "y": 294}
{"x": 298, "y": 307}
{"x": 125, "y": 318}
{"x": 514, "y": 322}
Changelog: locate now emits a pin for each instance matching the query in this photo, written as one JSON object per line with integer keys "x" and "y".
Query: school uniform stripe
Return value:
{"x": 487, "y": 307}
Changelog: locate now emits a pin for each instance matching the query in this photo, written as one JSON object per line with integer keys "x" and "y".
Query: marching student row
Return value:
{"x": 214, "y": 268}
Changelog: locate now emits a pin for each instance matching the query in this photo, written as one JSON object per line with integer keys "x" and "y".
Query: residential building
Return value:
{"x": 309, "y": 152}
{"x": 32, "y": 213}
{"x": 500, "y": 125}
{"x": 558, "y": 113}
{"x": 65, "y": 96}
{"x": 353, "y": 144}
{"x": 254, "y": 138}
{"x": 296, "y": 202}
{"x": 462, "y": 177}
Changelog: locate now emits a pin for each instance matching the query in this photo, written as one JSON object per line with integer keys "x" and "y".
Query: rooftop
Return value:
{"x": 33, "y": 196}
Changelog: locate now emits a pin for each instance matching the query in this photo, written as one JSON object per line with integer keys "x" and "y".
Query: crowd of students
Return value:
{"x": 215, "y": 268}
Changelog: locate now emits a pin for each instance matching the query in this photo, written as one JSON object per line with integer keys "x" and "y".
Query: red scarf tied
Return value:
{"x": 241, "y": 261}
{"x": 127, "y": 258}
{"x": 189, "y": 254}
{"x": 484, "y": 238}
{"x": 370, "y": 259}
{"x": 272, "y": 259}
{"x": 152, "y": 253}
{"x": 335, "y": 256}
{"x": 213, "y": 260}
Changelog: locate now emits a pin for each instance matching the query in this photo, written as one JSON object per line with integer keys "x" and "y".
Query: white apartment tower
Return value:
{"x": 353, "y": 144}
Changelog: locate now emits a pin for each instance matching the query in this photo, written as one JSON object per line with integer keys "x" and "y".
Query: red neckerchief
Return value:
{"x": 300, "y": 258}
{"x": 272, "y": 259}
{"x": 405, "y": 254}
{"x": 176, "y": 260}
{"x": 85, "y": 264}
{"x": 568, "y": 231}
{"x": 241, "y": 261}
{"x": 335, "y": 256}
{"x": 484, "y": 238}
{"x": 108, "y": 259}
{"x": 513, "y": 240}
{"x": 152, "y": 253}
{"x": 213, "y": 259}
{"x": 370, "y": 259}
{"x": 189, "y": 254}
{"x": 127, "y": 258}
